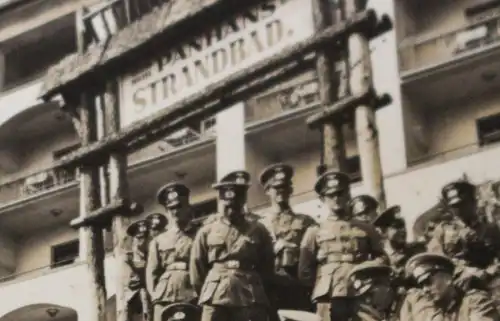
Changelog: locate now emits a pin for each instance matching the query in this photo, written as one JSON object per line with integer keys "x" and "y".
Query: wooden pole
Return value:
{"x": 118, "y": 190}
{"x": 361, "y": 79}
{"x": 333, "y": 149}
{"x": 90, "y": 198}
{"x": 90, "y": 237}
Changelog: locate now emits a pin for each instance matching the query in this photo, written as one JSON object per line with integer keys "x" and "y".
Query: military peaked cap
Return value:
{"x": 181, "y": 312}
{"x": 456, "y": 192}
{"x": 422, "y": 265}
{"x": 137, "y": 227}
{"x": 236, "y": 178}
{"x": 157, "y": 221}
{"x": 331, "y": 182}
{"x": 389, "y": 217}
{"x": 276, "y": 175}
{"x": 362, "y": 276}
{"x": 362, "y": 204}
{"x": 168, "y": 195}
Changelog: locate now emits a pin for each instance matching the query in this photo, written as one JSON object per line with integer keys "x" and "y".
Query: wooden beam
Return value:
{"x": 361, "y": 81}
{"x": 363, "y": 21}
{"x": 102, "y": 216}
{"x": 118, "y": 190}
{"x": 333, "y": 154}
{"x": 90, "y": 201}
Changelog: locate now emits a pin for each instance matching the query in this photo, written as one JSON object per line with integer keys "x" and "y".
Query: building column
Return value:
{"x": 230, "y": 140}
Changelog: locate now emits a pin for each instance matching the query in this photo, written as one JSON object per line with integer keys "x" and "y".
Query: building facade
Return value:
{"x": 438, "y": 65}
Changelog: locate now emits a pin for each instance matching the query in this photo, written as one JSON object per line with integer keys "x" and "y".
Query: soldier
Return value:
{"x": 136, "y": 294}
{"x": 287, "y": 230}
{"x": 330, "y": 250}
{"x": 370, "y": 284}
{"x": 167, "y": 272}
{"x": 475, "y": 246}
{"x": 363, "y": 208}
{"x": 393, "y": 229}
{"x": 438, "y": 298}
{"x": 232, "y": 260}
{"x": 157, "y": 223}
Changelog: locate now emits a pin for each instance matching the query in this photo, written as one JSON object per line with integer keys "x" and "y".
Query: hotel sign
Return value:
{"x": 237, "y": 43}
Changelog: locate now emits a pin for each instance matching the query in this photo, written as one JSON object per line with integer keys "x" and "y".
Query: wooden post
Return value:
{"x": 361, "y": 79}
{"x": 118, "y": 190}
{"x": 90, "y": 197}
{"x": 91, "y": 237}
{"x": 333, "y": 149}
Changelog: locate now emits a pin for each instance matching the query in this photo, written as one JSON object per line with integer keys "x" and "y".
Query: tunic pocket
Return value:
{"x": 209, "y": 288}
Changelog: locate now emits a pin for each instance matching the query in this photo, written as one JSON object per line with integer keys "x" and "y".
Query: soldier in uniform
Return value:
{"x": 394, "y": 234}
{"x": 329, "y": 251}
{"x": 136, "y": 293}
{"x": 157, "y": 223}
{"x": 473, "y": 245}
{"x": 167, "y": 272}
{"x": 363, "y": 208}
{"x": 438, "y": 298}
{"x": 232, "y": 260}
{"x": 287, "y": 230}
{"x": 370, "y": 284}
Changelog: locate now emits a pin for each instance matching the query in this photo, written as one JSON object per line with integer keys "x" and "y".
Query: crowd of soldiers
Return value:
{"x": 356, "y": 264}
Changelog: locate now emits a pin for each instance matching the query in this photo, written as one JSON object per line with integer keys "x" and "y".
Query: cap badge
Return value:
{"x": 452, "y": 193}
{"x": 357, "y": 284}
{"x": 279, "y": 175}
{"x": 359, "y": 206}
{"x": 240, "y": 180}
{"x": 397, "y": 215}
{"x": 229, "y": 194}
{"x": 333, "y": 183}
{"x": 155, "y": 220}
{"x": 142, "y": 228}
{"x": 179, "y": 316}
{"x": 418, "y": 271}
{"x": 172, "y": 196}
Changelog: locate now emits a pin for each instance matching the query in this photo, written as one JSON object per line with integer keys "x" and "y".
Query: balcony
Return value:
{"x": 451, "y": 66}
{"x": 35, "y": 184}
{"x": 19, "y": 98}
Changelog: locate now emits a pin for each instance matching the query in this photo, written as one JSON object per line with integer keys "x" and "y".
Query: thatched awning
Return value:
{"x": 135, "y": 36}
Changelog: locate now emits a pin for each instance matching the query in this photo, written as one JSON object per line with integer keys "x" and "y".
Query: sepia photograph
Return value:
{"x": 249, "y": 160}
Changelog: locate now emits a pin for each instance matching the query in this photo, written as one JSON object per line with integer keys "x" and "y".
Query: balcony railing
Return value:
{"x": 35, "y": 184}
{"x": 419, "y": 53}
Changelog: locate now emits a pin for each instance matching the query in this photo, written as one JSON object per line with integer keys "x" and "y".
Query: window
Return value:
{"x": 205, "y": 208}
{"x": 65, "y": 253}
{"x": 488, "y": 129}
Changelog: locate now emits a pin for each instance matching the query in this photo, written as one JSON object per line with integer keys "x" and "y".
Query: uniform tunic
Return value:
{"x": 230, "y": 267}
{"x": 287, "y": 230}
{"x": 328, "y": 253}
{"x": 364, "y": 312}
{"x": 476, "y": 246}
{"x": 475, "y": 305}
{"x": 167, "y": 270}
{"x": 136, "y": 293}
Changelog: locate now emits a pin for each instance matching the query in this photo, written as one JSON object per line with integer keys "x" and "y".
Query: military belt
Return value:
{"x": 343, "y": 257}
{"x": 234, "y": 265}
{"x": 177, "y": 266}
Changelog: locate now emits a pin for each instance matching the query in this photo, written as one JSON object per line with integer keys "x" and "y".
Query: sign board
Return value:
{"x": 236, "y": 43}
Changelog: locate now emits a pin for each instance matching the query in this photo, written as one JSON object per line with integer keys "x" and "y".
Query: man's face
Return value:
{"x": 439, "y": 285}
{"x": 280, "y": 194}
{"x": 465, "y": 209}
{"x": 336, "y": 202}
{"x": 181, "y": 211}
{"x": 383, "y": 294}
{"x": 397, "y": 233}
{"x": 233, "y": 199}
